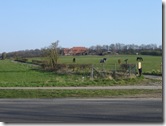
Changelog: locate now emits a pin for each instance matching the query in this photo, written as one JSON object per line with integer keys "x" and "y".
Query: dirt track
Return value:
{"x": 153, "y": 77}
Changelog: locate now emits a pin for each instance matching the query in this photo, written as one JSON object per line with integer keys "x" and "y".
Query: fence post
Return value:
{"x": 161, "y": 67}
{"x": 92, "y": 73}
{"x": 102, "y": 66}
{"x": 136, "y": 69}
{"x": 129, "y": 70}
{"x": 115, "y": 70}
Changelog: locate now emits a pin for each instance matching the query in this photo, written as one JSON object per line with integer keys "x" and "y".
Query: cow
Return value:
{"x": 103, "y": 60}
{"x": 74, "y": 60}
{"x": 139, "y": 58}
{"x": 126, "y": 60}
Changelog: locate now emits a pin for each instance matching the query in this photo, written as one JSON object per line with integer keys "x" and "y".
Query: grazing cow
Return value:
{"x": 139, "y": 58}
{"x": 103, "y": 60}
{"x": 126, "y": 60}
{"x": 119, "y": 61}
{"x": 74, "y": 60}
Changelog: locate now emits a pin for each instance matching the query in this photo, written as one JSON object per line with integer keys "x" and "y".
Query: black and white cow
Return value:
{"x": 139, "y": 58}
{"x": 103, "y": 60}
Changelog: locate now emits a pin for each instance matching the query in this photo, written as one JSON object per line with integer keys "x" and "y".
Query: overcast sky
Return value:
{"x": 31, "y": 24}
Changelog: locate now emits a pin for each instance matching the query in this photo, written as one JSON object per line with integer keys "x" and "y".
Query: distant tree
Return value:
{"x": 160, "y": 47}
{"x": 113, "y": 48}
{"x": 61, "y": 51}
{"x": 52, "y": 53}
{"x": 3, "y": 55}
{"x": 99, "y": 50}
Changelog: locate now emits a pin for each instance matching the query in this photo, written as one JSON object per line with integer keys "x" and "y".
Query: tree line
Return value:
{"x": 118, "y": 48}
{"x": 113, "y": 49}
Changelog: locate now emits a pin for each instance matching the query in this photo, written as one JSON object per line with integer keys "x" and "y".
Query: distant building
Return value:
{"x": 66, "y": 51}
{"x": 75, "y": 51}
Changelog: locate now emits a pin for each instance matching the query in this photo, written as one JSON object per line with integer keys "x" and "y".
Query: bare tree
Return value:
{"x": 53, "y": 54}
{"x": 99, "y": 49}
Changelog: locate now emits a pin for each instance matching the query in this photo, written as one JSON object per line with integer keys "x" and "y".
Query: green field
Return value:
{"x": 149, "y": 63}
{"x": 19, "y": 74}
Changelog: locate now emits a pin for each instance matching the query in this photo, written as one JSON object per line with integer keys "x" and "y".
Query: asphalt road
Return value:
{"x": 81, "y": 110}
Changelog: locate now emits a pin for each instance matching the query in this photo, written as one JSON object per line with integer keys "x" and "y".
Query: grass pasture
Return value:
{"x": 149, "y": 63}
{"x": 25, "y": 75}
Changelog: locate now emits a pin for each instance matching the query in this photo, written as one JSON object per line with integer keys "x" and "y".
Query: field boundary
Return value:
{"x": 82, "y": 88}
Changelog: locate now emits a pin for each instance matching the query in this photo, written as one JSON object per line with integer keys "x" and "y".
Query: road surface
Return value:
{"x": 81, "y": 110}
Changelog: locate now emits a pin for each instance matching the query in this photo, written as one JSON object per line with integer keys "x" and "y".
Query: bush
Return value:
{"x": 153, "y": 53}
{"x": 67, "y": 67}
{"x": 153, "y": 72}
{"x": 127, "y": 66}
{"x": 39, "y": 62}
{"x": 23, "y": 60}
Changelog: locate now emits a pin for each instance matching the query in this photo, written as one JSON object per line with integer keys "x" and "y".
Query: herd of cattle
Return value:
{"x": 104, "y": 60}
{"x": 138, "y": 59}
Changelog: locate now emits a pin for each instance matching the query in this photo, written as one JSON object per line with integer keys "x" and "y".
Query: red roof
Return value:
{"x": 75, "y": 50}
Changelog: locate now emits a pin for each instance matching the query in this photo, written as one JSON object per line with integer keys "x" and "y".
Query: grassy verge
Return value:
{"x": 78, "y": 93}
{"x": 71, "y": 80}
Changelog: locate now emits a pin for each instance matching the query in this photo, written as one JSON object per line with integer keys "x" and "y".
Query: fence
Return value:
{"x": 113, "y": 70}
{"x": 100, "y": 70}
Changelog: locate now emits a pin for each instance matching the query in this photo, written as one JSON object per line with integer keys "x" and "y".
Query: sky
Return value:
{"x": 35, "y": 24}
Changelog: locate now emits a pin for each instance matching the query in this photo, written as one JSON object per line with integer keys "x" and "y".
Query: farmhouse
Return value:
{"x": 75, "y": 51}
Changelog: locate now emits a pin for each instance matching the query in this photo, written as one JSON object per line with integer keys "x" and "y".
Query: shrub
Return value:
{"x": 127, "y": 66}
{"x": 23, "y": 60}
{"x": 39, "y": 62}
{"x": 67, "y": 67}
